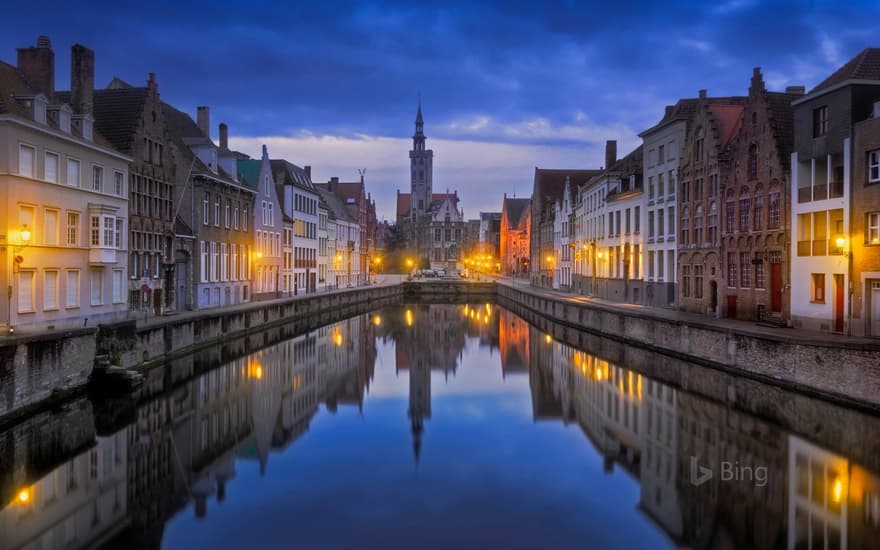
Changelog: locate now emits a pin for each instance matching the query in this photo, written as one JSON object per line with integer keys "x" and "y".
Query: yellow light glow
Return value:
{"x": 837, "y": 490}
{"x": 258, "y": 374}
{"x": 599, "y": 375}
{"x": 25, "y": 234}
{"x": 339, "y": 257}
{"x": 840, "y": 242}
{"x": 599, "y": 255}
{"x": 337, "y": 337}
{"x": 548, "y": 338}
{"x": 377, "y": 320}
{"x": 24, "y": 496}
{"x": 549, "y": 259}
{"x": 409, "y": 262}
{"x": 409, "y": 318}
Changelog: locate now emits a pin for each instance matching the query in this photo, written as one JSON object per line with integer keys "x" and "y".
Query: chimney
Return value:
{"x": 702, "y": 94}
{"x": 224, "y": 135}
{"x": 203, "y": 119}
{"x": 82, "y": 79}
{"x": 308, "y": 171}
{"x": 610, "y": 153}
{"x": 797, "y": 90}
{"x": 37, "y": 65}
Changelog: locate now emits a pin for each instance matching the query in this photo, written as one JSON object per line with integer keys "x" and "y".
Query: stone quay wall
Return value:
{"x": 41, "y": 369}
{"x": 840, "y": 371}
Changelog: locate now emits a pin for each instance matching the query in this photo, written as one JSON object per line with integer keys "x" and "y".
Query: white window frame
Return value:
{"x": 46, "y": 156}
{"x": 72, "y": 230}
{"x": 118, "y": 296}
{"x": 29, "y": 306}
{"x": 24, "y": 170}
{"x": 67, "y": 274}
{"x": 874, "y": 166}
{"x": 872, "y": 228}
{"x": 118, "y": 183}
{"x": 97, "y": 178}
{"x": 96, "y": 275}
{"x": 73, "y": 163}
{"x": 47, "y": 285}
{"x": 51, "y": 240}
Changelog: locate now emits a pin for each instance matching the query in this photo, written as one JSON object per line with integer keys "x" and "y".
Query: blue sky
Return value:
{"x": 505, "y": 86}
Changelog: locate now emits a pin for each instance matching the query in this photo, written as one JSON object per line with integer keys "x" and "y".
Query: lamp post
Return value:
{"x": 24, "y": 238}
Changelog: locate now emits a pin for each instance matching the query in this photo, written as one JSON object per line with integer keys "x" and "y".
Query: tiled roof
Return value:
{"x": 864, "y": 66}
{"x": 404, "y": 201}
{"x": 249, "y": 172}
{"x": 12, "y": 83}
{"x": 550, "y": 183}
{"x": 630, "y": 164}
{"x": 287, "y": 173}
{"x": 781, "y": 117}
{"x": 515, "y": 209}
{"x": 683, "y": 109}
{"x": 117, "y": 114}
{"x": 182, "y": 129}
{"x": 728, "y": 120}
{"x": 335, "y": 205}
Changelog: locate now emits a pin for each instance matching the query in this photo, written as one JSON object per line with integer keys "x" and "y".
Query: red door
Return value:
{"x": 776, "y": 287}
{"x": 838, "y": 303}
{"x": 731, "y": 307}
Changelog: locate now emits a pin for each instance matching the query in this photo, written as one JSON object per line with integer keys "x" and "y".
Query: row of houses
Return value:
{"x": 115, "y": 200}
{"x": 764, "y": 206}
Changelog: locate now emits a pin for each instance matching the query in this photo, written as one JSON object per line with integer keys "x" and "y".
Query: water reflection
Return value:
{"x": 782, "y": 469}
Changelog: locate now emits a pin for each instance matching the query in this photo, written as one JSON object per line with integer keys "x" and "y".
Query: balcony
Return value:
{"x": 102, "y": 256}
{"x": 820, "y": 192}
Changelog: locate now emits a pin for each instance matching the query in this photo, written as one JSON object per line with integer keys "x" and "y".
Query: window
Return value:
{"x": 671, "y": 217}
{"x": 650, "y": 187}
{"x": 698, "y": 281}
{"x": 685, "y": 190}
{"x": 660, "y": 190}
{"x": 685, "y": 226}
{"x": 203, "y": 263}
{"x": 118, "y": 235}
{"x": 685, "y": 281}
{"x": 731, "y": 269}
{"x": 215, "y": 261}
{"x": 627, "y": 223}
{"x": 713, "y": 223}
{"x": 745, "y": 206}
{"x": 651, "y": 224}
{"x": 72, "y": 288}
{"x": 874, "y": 166}
{"x": 745, "y": 270}
{"x": 730, "y": 213}
{"x": 713, "y": 185}
{"x": 95, "y": 231}
{"x": 217, "y": 211}
{"x": 244, "y": 218}
{"x": 660, "y": 158}
{"x": 774, "y": 212}
{"x": 226, "y": 213}
{"x": 118, "y": 278}
{"x": 699, "y": 150}
{"x": 235, "y": 218}
{"x": 50, "y": 289}
{"x": 50, "y": 165}
{"x": 206, "y": 209}
{"x": 698, "y": 225}
{"x": 758, "y": 221}
{"x": 760, "y": 276}
{"x": 873, "y": 228}
{"x": 73, "y": 229}
{"x": 818, "y": 286}
{"x": 638, "y": 220}
{"x": 73, "y": 172}
{"x": 118, "y": 183}
{"x": 109, "y": 240}
{"x": 50, "y": 227}
{"x": 752, "y": 169}
{"x": 820, "y": 121}
{"x": 26, "y": 156}
{"x": 96, "y": 282}
{"x": 26, "y": 291}
{"x": 97, "y": 178}
{"x": 698, "y": 189}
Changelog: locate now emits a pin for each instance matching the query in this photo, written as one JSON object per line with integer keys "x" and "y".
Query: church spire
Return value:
{"x": 420, "y": 126}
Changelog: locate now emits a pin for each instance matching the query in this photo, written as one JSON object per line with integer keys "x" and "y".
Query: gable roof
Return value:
{"x": 515, "y": 209}
{"x": 182, "y": 131}
{"x": 117, "y": 113}
{"x": 728, "y": 120}
{"x": 683, "y": 109}
{"x": 781, "y": 117}
{"x": 864, "y": 66}
{"x": 335, "y": 206}
{"x": 404, "y": 201}
{"x": 550, "y": 184}
{"x": 287, "y": 173}
{"x": 249, "y": 172}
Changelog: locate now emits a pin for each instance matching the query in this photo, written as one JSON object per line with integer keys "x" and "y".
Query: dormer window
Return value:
{"x": 83, "y": 125}
{"x": 64, "y": 115}
{"x": 40, "y": 105}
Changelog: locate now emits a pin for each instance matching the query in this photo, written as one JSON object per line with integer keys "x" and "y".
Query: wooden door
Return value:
{"x": 838, "y": 303}
{"x": 731, "y": 307}
{"x": 776, "y": 288}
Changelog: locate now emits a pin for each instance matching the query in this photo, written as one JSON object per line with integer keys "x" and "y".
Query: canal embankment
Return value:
{"x": 41, "y": 369}
{"x": 845, "y": 370}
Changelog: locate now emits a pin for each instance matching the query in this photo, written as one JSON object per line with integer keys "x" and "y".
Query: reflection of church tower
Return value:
{"x": 419, "y": 402}
{"x": 421, "y": 169}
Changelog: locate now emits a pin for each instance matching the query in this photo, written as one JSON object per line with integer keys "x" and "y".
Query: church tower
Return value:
{"x": 421, "y": 168}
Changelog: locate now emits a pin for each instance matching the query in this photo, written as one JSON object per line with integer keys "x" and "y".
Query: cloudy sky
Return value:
{"x": 505, "y": 86}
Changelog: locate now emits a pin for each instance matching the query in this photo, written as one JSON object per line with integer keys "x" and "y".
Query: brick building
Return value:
{"x": 757, "y": 197}
{"x": 705, "y": 165}
{"x": 514, "y": 235}
{"x": 866, "y": 225}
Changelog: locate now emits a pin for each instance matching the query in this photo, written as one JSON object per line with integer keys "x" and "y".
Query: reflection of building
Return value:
{"x": 513, "y": 337}
{"x": 80, "y": 504}
{"x": 658, "y": 433}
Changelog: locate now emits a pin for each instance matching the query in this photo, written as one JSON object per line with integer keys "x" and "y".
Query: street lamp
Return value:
{"x": 24, "y": 238}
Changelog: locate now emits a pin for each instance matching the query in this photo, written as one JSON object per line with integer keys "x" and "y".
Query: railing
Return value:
{"x": 820, "y": 191}
{"x": 805, "y": 194}
{"x": 820, "y": 248}
{"x": 836, "y": 188}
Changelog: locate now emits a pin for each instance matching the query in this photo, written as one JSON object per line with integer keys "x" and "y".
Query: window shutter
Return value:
{"x": 26, "y": 291}
{"x": 50, "y": 229}
{"x": 50, "y": 290}
{"x": 72, "y": 288}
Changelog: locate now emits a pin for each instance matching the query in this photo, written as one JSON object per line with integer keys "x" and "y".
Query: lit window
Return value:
{"x": 873, "y": 228}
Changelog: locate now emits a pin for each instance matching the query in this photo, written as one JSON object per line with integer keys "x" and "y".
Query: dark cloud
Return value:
{"x": 354, "y": 67}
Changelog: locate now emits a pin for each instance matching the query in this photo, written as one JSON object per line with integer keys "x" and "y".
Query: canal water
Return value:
{"x": 444, "y": 426}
